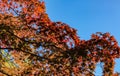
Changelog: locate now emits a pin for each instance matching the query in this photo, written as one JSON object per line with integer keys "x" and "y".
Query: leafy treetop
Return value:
{"x": 32, "y": 44}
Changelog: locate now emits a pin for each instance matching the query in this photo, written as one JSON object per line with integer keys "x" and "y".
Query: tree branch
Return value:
{"x": 39, "y": 57}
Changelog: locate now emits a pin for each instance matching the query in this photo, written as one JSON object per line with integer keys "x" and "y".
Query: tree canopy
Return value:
{"x": 33, "y": 45}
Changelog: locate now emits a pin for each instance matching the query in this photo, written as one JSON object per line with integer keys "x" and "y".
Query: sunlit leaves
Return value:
{"x": 41, "y": 47}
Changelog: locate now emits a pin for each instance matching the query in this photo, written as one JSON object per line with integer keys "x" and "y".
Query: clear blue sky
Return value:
{"x": 88, "y": 16}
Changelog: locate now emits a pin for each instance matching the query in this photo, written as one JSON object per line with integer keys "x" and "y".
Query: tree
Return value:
{"x": 31, "y": 44}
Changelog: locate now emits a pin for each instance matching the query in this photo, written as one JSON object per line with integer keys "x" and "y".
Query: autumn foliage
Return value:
{"x": 33, "y": 45}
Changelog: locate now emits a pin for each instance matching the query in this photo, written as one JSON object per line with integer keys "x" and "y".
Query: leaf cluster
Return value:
{"x": 31, "y": 44}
